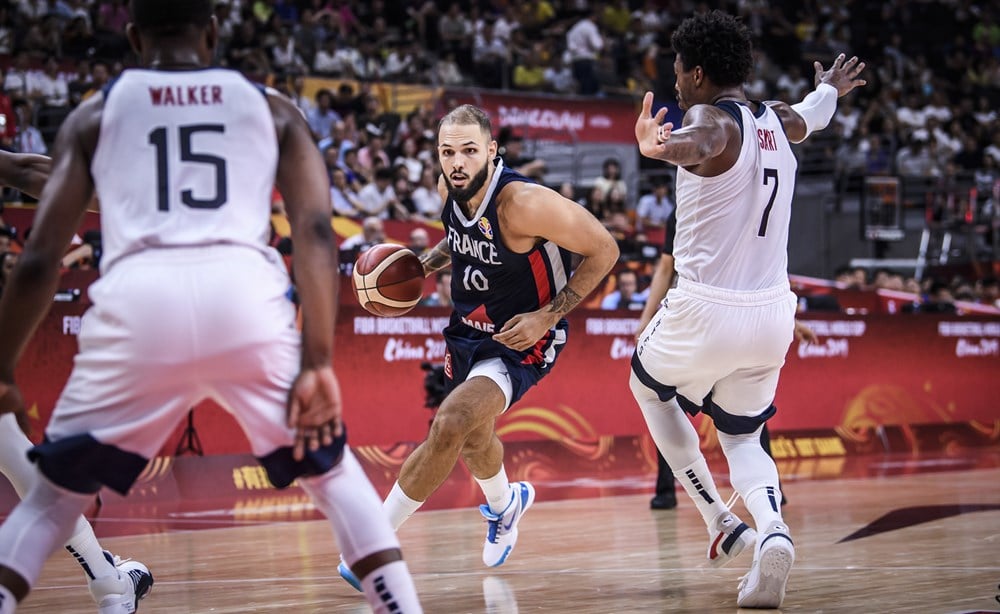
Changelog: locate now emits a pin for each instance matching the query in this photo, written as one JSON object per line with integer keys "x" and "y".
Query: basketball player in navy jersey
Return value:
{"x": 719, "y": 343}
{"x": 508, "y": 243}
{"x": 191, "y": 303}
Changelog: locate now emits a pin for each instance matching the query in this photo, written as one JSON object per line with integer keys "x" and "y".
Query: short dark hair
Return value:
{"x": 465, "y": 115}
{"x": 719, "y": 43}
{"x": 170, "y": 17}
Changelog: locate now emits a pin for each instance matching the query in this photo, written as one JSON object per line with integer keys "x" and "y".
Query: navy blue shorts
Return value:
{"x": 466, "y": 347}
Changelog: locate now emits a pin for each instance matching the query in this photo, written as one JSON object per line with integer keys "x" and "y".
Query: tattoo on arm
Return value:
{"x": 565, "y": 301}
{"x": 437, "y": 258}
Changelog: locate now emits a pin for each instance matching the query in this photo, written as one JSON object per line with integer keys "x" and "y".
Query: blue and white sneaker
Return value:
{"x": 502, "y": 532}
{"x": 348, "y": 575}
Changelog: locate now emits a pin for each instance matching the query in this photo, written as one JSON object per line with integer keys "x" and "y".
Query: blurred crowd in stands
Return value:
{"x": 928, "y": 113}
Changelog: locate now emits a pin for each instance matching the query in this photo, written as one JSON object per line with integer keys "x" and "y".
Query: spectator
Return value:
{"x": 441, "y": 297}
{"x": 916, "y": 159}
{"x": 374, "y": 149}
{"x": 626, "y": 294}
{"x": 512, "y": 152}
{"x": 372, "y": 233}
{"x": 529, "y": 75}
{"x": 344, "y": 198}
{"x": 407, "y": 158}
{"x": 328, "y": 61}
{"x": 420, "y": 241}
{"x": 51, "y": 87}
{"x": 426, "y": 198}
{"x": 29, "y": 138}
{"x": 491, "y": 57}
{"x": 323, "y": 116}
{"x": 610, "y": 186}
{"x": 584, "y": 44}
{"x": 446, "y": 71}
{"x": 378, "y": 199}
{"x": 655, "y": 208}
{"x": 285, "y": 56}
{"x": 559, "y": 76}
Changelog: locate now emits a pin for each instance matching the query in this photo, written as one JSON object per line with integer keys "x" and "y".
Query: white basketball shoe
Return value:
{"x": 501, "y": 535}
{"x": 728, "y": 537}
{"x": 764, "y": 586}
{"x": 121, "y": 595}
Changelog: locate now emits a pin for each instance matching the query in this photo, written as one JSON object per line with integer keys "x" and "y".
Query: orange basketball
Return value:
{"x": 388, "y": 279}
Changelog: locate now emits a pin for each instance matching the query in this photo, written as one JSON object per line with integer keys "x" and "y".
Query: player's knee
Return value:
{"x": 451, "y": 429}
{"x": 478, "y": 441}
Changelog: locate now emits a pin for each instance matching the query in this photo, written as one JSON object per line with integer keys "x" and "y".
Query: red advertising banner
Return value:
{"x": 535, "y": 117}
{"x": 865, "y": 372}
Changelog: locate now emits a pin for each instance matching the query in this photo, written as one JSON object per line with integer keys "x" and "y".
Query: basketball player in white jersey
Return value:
{"x": 720, "y": 342}
{"x": 106, "y": 574}
{"x": 191, "y": 303}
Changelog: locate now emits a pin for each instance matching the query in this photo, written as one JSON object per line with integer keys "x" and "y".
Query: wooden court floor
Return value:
{"x": 925, "y": 542}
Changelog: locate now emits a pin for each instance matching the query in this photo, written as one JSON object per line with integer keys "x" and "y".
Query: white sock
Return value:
{"x": 497, "y": 490}
{"x": 677, "y": 440}
{"x": 754, "y": 475}
{"x": 7, "y": 602}
{"x": 36, "y": 528}
{"x": 14, "y": 463}
{"x": 398, "y": 507}
{"x": 88, "y": 553}
{"x": 697, "y": 481}
{"x": 350, "y": 502}
{"x": 389, "y": 589}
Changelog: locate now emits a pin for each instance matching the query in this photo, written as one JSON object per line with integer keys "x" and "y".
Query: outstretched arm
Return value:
{"x": 817, "y": 108}
{"x": 704, "y": 136}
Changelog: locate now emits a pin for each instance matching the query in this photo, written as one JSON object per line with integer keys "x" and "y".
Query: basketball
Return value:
{"x": 388, "y": 279}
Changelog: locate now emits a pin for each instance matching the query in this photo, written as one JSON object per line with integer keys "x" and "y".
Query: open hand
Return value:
{"x": 842, "y": 75}
{"x": 650, "y": 132}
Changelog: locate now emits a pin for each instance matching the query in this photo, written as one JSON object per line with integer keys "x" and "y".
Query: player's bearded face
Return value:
{"x": 470, "y": 186}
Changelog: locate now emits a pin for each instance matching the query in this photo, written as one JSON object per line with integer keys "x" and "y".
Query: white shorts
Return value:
{"x": 730, "y": 345}
{"x": 171, "y": 327}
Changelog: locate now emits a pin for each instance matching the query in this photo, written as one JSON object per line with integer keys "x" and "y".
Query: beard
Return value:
{"x": 465, "y": 194}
